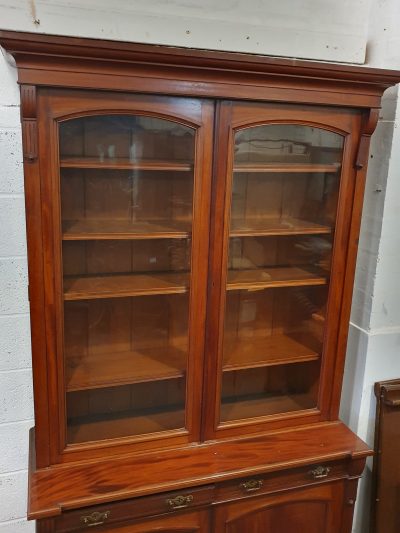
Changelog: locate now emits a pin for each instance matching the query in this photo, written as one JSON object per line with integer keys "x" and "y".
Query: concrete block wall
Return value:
{"x": 373, "y": 352}
{"x": 16, "y": 400}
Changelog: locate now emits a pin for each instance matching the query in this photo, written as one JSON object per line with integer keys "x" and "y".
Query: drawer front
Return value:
{"x": 275, "y": 481}
{"x": 111, "y": 514}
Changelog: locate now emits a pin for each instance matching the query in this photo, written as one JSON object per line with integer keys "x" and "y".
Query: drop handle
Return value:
{"x": 320, "y": 472}
{"x": 179, "y": 502}
{"x": 95, "y": 519}
{"x": 252, "y": 485}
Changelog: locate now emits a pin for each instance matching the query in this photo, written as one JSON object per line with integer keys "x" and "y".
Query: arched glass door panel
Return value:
{"x": 126, "y": 209}
{"x": 285, "y": 188}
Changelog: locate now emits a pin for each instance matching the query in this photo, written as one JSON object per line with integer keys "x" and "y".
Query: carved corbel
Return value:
{"x": 29, "y": 123}
{"x": 366, "y": 132}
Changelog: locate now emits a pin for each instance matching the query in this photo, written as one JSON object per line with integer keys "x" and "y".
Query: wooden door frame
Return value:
{"x": 57, "y": 105}
{"x": 233, "y": 116}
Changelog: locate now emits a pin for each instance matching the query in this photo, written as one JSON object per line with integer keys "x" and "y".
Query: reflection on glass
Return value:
{"x": 283, "y": 209}
{"x": 126, "y": 205}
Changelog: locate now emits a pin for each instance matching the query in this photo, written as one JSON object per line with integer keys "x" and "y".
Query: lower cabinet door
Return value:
{"x": 311, "y": 510}
{"x": 193, "y": 522}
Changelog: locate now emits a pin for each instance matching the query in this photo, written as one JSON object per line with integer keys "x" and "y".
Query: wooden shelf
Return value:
{"x": 125, "y": 164}
{"x": 274, "y": 277}
{"x": 78, "y": 230}
{"x": 124, "y": 285}
{"x": 269, "y": 351}
{"x": 126, "y": 424}
{"x": 121, "y": 285}
{"x": 264, "y": 406}
{"x": 284, "y": 168}
{"x": 276, "y": 226}
{"x": 123, "y": 368}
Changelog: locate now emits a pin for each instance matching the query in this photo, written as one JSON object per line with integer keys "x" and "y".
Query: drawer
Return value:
{"x": 117, "y": 512}
{"x": 283, "y": 479}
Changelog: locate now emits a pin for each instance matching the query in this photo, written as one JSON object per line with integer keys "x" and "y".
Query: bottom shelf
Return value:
{"x": 263, "y": 405}
{"x": 125, "y": 424}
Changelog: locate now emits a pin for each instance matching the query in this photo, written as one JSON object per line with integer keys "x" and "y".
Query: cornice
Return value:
{"x": 30, "y": 47}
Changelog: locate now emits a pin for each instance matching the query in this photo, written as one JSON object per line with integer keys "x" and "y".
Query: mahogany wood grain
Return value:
{"x": 36, "y": 285}
{"x": 71, "y": 486}
{"x": 186, "y": 522}
{"x": 315, "y": 510}
{"x": 130, "y": 510}
{"x": 90, "y": 63}
{"x": 273, "y": 482}
{"x": 192, "y": 522}
{"x": 236, "y": 493}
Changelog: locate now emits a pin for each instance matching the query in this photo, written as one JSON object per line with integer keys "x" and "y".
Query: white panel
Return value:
{"x": 314, "y": 29}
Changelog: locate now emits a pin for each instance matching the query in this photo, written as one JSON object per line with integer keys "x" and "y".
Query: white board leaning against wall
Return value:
{"x": 329, "y": 30}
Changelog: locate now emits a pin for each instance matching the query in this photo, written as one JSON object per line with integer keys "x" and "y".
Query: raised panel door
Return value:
{"x": 315, "y": 510}
{"x": 194, "y": 522}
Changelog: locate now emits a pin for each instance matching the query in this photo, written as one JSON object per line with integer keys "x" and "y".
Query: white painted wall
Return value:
{"x": 288, "y": 27}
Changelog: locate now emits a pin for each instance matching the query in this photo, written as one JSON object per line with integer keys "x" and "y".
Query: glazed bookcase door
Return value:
{"x": 129, "y": 186}
{"x": 279, "y": 251}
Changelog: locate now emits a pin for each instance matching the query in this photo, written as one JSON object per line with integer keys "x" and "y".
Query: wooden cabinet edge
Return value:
{"x": 49, "y": 525}
{"x": 354, "y": 459}
{"x": 59, "y": 57}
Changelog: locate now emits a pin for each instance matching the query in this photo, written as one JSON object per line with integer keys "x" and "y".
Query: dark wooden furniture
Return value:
{"x": 385, "y": 517}
{"x": 192, "y": 227}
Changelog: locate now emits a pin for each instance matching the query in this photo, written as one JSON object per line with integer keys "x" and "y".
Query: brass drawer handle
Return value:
{"x": 179, "y": 502}
{"x": 95, "y": 519}
{"x": 252, "y": 485}
{"x": 320, "y": 472}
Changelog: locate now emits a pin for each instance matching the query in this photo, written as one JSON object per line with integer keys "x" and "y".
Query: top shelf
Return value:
{"x": 284, "y": 167}
{"x": 187, "y": 166}
{"x": 125, "y": 164}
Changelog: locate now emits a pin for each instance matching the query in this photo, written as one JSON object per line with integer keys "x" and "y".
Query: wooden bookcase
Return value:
{"x": 192, "y": 223}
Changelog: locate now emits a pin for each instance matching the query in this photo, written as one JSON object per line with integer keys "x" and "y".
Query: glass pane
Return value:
{"x": 126, "y": 206}
{"x": 283, "y": 209}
